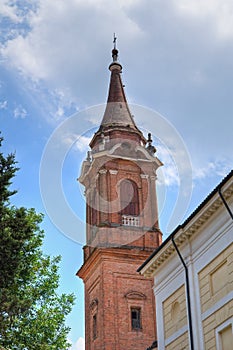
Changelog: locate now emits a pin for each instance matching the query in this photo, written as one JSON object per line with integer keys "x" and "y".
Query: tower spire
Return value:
{"x": 117, "y": 112}
{"x": 117, "y": 115}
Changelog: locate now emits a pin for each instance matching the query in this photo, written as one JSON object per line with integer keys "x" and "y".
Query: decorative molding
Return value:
{"x": 221, "y": 328}
{"x": 135, "y": 295}
{"x": 176, "y": 335}
{"x": 226, "y": 299}
{"x": 185, "y": 233}
{"x": 87, "y": 191}
{"x": 113, "y": 172}
{"x": 96, "y": 177}
{"x": 102, "y": 171}
{"x": 144, "y": 176}
{"x": 94, "y": 305}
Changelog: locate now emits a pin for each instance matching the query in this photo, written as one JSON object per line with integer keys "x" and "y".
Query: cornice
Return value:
{"x": 185, "y": 232}
{"x": 122, "y": 254}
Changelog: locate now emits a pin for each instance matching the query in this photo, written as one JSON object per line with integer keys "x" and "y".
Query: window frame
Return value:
{"x": 219, "y": 330}
{"x": 138, "y": 310}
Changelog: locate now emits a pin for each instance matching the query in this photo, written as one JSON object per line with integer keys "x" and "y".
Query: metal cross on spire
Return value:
{"x": 114, "y": 51}
{"x": 114, "y": 40}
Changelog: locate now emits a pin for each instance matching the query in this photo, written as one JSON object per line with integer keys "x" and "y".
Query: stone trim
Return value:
{"x": 113, "y": 172}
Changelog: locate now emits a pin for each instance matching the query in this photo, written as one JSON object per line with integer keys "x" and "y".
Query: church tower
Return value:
{"x": 122, "y": 228}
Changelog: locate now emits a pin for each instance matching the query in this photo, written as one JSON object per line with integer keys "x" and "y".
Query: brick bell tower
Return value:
{"x": 121, "y": 228}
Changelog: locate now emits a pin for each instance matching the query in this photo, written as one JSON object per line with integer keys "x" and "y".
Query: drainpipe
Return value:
{"x": 187, "y": 295}
{"x": 225, "y": 203}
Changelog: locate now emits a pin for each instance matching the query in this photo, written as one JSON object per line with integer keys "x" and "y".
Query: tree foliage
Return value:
{"x": 32, "y": 313}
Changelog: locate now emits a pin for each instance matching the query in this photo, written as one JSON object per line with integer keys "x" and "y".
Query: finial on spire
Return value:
{"x": 114, "y": 40}
{"x": 114, "y": 51}
{"x": 151, "y": 149}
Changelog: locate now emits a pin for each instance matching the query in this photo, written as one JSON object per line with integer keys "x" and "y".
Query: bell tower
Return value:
{"x": 122, "y": 227}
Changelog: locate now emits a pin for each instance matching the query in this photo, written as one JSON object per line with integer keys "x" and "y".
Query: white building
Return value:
{"x": 193, "y": 277}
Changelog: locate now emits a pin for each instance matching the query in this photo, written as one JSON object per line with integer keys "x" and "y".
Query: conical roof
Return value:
{"x": 117, "y": 116}
{"x": 117, "y": 111}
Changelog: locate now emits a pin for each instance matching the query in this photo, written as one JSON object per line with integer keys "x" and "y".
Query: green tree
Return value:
{"x": 32, "y": 313}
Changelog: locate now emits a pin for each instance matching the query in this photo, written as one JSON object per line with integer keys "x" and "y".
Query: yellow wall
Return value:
{"x": 212, "y": 322}
{"x": 174, "y": 311}
{"x": 226, "y": 338}
{"x": 216, "y": 281}
{"x": 181, "y": 343}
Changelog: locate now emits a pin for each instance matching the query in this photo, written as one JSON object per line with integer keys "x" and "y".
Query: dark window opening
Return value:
{"x": 136, "y": 318}
{"x": 94, "y": 326}
{"x": 93, "y": 208}
{"x": 129, "y": 198}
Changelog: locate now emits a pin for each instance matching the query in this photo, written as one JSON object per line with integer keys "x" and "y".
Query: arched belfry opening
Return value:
{"x": 129, "y": 199}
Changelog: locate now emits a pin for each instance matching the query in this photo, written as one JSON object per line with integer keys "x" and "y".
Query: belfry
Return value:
{"x": 122, "y": 228}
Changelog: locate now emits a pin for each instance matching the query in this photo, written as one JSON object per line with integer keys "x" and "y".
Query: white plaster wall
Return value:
{"x": 204, "y": 246}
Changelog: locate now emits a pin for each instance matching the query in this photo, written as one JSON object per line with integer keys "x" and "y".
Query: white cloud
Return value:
{"x": 79, "y": 345}
{"x": 169, "y": 170}
{"x": 20, "y": 112}
{"x": 64, "y": 43}
{"x": 61, "y": 37}
{"x": 29, "y": 59}
{"x": 217, "y": 12}
{"x": 60, "y": 112}
{"x": 81, "y": 142}
{"x": 3, "y": 104}
{"x": 174, "y": 55}
{"x": 7, "y": 9}
{"x": 215, "y": 168}
{"x": 59, "y": 47}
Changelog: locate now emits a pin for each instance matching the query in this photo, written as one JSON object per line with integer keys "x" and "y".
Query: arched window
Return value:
{"x": 129, "y": 198}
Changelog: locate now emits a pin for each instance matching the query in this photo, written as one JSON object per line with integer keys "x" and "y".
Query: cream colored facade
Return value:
{"x": 205, "y": 242}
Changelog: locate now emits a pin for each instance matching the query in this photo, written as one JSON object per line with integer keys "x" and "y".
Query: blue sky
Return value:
{"x": 177, "y": 59}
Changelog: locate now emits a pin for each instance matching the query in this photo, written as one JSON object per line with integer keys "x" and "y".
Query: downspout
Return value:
{"x": 225, "y": 203}
{"x": 187, "y": 294}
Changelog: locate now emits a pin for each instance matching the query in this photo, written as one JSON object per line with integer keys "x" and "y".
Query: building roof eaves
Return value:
{"x": 186, "y": 229}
